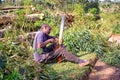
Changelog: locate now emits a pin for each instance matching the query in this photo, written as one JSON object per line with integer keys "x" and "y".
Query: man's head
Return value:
{"x": 46, "y": 28}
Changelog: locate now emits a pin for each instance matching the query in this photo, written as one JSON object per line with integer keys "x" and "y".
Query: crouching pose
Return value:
{"x": 49, "y": 53}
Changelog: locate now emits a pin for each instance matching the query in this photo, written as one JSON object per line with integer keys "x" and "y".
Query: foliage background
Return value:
{"x": 87, "y": 33}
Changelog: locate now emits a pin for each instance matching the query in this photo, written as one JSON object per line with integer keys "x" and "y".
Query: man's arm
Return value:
{"x": 40, "y": 43}
{"x": 43, "y": 44}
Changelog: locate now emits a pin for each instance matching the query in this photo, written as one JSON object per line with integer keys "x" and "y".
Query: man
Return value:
{"x": 49, "y": 53}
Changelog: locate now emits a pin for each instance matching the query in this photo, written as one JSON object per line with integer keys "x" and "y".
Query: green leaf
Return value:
{"x": 1, "y": 45}
{"x": 40, "y": 50}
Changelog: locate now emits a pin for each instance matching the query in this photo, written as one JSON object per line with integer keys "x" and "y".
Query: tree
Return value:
{"x": 92, "y": 4}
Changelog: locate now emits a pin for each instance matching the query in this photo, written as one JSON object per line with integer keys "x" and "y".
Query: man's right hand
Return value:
{"x": 52, "y": 40}
{"x": 42, "y": 44}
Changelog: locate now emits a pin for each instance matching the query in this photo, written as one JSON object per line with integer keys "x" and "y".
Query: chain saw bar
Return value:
{"x": 61, "y": 29}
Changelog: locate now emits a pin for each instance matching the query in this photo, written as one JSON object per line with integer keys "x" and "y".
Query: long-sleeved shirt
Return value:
{"x": 41, "y": 37}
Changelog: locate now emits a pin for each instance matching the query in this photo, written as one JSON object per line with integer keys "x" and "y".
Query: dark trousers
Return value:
{"x": 53, "y": 55}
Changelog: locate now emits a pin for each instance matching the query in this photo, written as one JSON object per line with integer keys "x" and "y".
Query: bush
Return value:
{"x": 13, "y": 76}
{"x": 20, "y": 12}
{"x": 93, "y": 11}
{"x": 116, "y": 28}
{"x": 83, "y": 41}
{"x": 112, "y": 56}
{"x": 53, "y": 21}
{"x": 16, "y": 62}
{"x": 37, "y": 24}
{"x": 90, "y": 5}
{"x": 79, "y": 11}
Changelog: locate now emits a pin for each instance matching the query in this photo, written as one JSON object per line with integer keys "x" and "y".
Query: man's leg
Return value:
{"x": 70, "y": 57}
{"x": 65, "y": 55}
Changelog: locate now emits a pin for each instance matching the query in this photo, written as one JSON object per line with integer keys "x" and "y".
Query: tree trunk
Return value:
{"x": 21, "y": 38}
{"x": 10, "y": 17}
{"x": 7, "y": 18}
{"x": 12, "y": 7}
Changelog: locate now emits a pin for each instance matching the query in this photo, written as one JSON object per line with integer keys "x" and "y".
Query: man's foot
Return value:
{"x": 84, "y": 63}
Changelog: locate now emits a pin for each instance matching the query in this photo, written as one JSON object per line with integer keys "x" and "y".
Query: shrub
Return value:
{"x": 90, "y": 5}
{"x": 39, "y": 8}
{"x": 13, "y": 76}
{"x": 83, "y": 41}
{"x": 37, "y": 24}
{"x": 116, "y": 29}
{"x": 20, "y": 12}
{"x": 93, "y": 11}
{"x": 79, "y": 11}
{"x": 16, "y": 62}
{"x": 112, "y": 56}
{"x": 53, "y": 21}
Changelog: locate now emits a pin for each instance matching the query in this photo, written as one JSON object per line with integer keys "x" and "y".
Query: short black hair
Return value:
{"x": 45, "y": 25}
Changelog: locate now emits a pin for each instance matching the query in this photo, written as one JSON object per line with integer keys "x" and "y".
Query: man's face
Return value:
{"x": 47, "y": 30}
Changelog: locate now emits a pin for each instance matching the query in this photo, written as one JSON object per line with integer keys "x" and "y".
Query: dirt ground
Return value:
{"x": 104, "y": 71}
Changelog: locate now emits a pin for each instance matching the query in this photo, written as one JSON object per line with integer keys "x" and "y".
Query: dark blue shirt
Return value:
{"x": 41, "y": 37}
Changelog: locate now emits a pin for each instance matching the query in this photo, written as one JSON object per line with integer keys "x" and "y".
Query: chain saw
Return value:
{"x": 59, "y": 59}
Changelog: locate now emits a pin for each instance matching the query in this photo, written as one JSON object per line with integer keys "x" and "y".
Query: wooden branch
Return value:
{"x": 2, "y": 33}
{"x": 2, "y": 39}
{"x": 69, "y": 17}
{"x": 30, "y": 35}
{"x": 3, "y": 30}
{"x": 10, "y": 17}
{"x": 7, "y": 11}
{"x": 22, "y": 38}
{"x": 12, "y": 7}
{"x": 35, "y": 16}
{"x": 7, "y": 18}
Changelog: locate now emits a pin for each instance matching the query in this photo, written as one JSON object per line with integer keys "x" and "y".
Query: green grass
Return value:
{"x": 22, "y": 57}
{"x": 112, "y": 55}
{"x": 68, "y": 70}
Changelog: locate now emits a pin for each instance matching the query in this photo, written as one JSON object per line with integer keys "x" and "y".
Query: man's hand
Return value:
{"x": 52, "y": 40}
{"x": 43, "y": 44}
{"x": 60, "y": 41}
{"x": 56, "y": 40}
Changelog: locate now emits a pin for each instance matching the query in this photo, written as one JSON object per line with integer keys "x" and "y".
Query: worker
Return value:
{"x": 42, "y": 38}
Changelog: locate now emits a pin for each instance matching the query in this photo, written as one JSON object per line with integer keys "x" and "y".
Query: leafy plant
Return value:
{"x": 37, "y": 24}
{"x": 13, "y": 76}
{"x": 2, "y": 61}
{"x": 93, "y": 11}
{"x": 83, "y": 41}
{"x": 20, "y": 12}
{"x": 79, "y": 11}
{"x": 39, "y": 7}
{"x": 92, "y": 4}
{"x": 112, "y": 56}
{"x": 116, "y": 28}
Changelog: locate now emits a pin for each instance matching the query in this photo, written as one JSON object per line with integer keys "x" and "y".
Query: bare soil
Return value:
{"x": 103, "y": 71}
